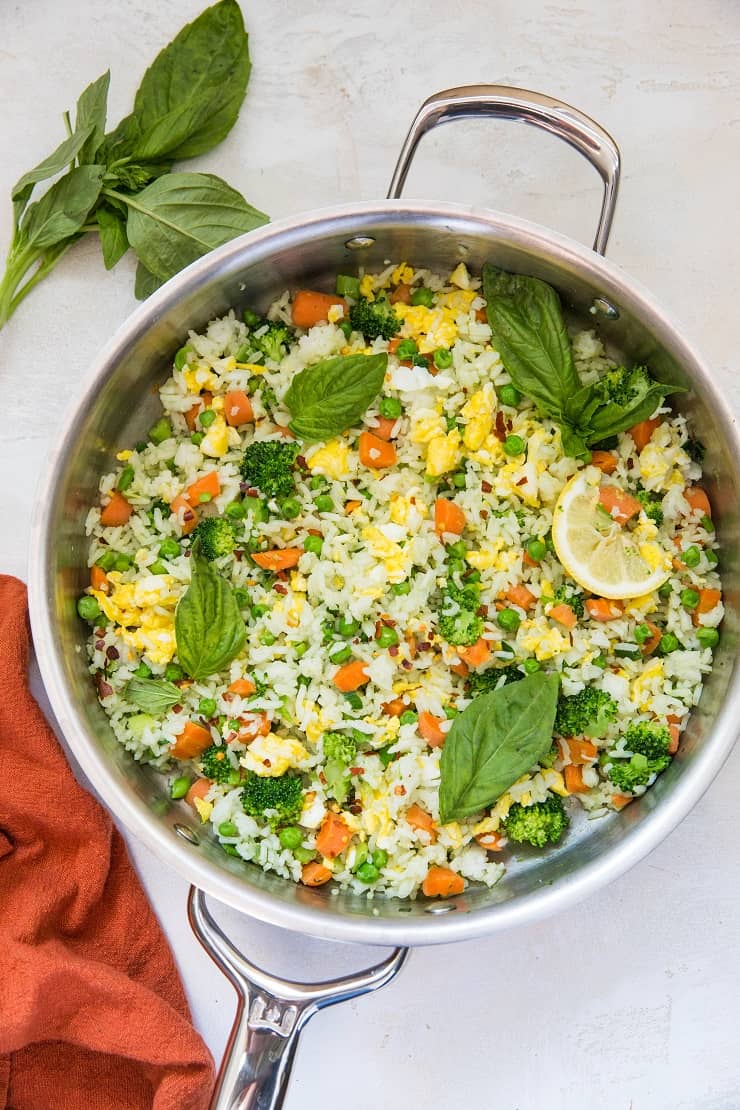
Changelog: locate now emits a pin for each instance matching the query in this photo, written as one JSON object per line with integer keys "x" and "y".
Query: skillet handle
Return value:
{"x": 270, "y": 1015}
{"x": 504, "y": 102}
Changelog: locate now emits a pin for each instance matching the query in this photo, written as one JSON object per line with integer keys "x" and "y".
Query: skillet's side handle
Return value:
{"x": 504, "y": 102}
{"x": 271, "y": 1013}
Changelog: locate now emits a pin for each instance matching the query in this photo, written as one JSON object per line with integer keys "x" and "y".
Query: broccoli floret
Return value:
{"x": 216, "y": 535}
{"x": 462, "y": 629}
{"x": 283, "y": 794}
{"x": 484, "y": 682}
{"x": 374, "y": 318}
{"x": 539, "y": 824}
{"x": 652, "y": 505}
{"x": 565, "y": 595}
{"x": 340, "y": 749}
{"x": 624, "y": 387}
{"x": 650, "y": 740}
{"x": 587, "y": 713}
{"x": 550, "y": 756}
{"x": 272, "y": 342}
{"x": 268, "y": 465}
{"x": 216, "y": 765}
{"x": 695, "y": 450}
{"x": 628, "y": 774}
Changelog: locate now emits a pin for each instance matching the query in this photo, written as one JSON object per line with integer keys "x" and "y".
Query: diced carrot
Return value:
{"x": 376, "y": 452}
{"x": 351, "y": 676}
{"x": 675, "y": 731}
{"x": 698, "y": 500}
{"x": 310, "y": 307}
{"x": 333, "y": 836}
{"x": 351, "y": 506}
{"x": 573, "y": 776}
{"x": 243, "y": 687}
{"x": 655, "y": 637}
{"x": 641, "y": 433}
{"x": 419, "y": 819}
{"x": 459, "y": 669}
{"x": 529, "y": 561}
{"x": 579, "y": 752}
{"x": 315, "y": 874}
{"x": 604, "y": 609}
{"x": 394, "y": 708}
{"x": 279, "y": 558}
{"x": 481, "y": 315}
{"x": 564, "y": 615}
{"x": 708, "y": 599}
{"x": 441, "y": 882}
{"x": 385, "y": 426}
{"x": 619, "y": 801}
{"x": 238, "y": 408}
{"x": 621, "y": 506}
{"x": 193, "y": 740}
{"x": 491, "y": 841}
{"x": 394, "y": 344}
{"x": 252, "y": 726}
{"x": 605, "y": 460}
{"x": 430, "y": 730}
{"x": 116, "y": 512}
{"x": 199, "y": 789}
{"x": 521, "y": 596}
{"x": 477, "y": 654}
{"x": 99, "y": 579}
{"x": 208, "y": 485}
{"x": 203, "y": 402}
{"x": 401, "y": 295}
{"x": 285, "y": 431}
{"x": 186, "y": 514}
{"x": 448, "y": 517}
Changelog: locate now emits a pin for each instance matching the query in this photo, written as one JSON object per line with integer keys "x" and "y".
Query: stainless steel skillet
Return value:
{"x": 116, "y": 403}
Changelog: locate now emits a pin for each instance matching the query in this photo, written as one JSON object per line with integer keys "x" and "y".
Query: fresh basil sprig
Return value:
{"x": 495, "y": 740}
{"x": 120, "y": 185}
{"x": 327, "y": 398}
{"x": 153, "y": 695}
{"x": 529, "y": 331}
{"x": 209, "y": 629}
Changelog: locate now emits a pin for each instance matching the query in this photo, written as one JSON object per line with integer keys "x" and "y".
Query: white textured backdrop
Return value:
{"x": 630, "y": 1000}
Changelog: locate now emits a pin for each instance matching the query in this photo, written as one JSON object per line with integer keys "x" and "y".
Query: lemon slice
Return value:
{"x": 600, "y": 554}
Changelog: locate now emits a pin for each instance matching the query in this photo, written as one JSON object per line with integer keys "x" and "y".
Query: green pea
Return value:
{"x": 353, "y": 699}
{"x": 207, "y": 707}
{"x": 536, "y": 550}
{"x": 230, "y": 850}
{"x": 142, "y": 671}
{"x": 169, "y": 548}
{"x": 385, "y": 755}
{"x": 451, "y": 712}
{"x": 400, "y": 588}
{"x": 304, "y": 855}
{"x": 348, "y": 286}
{"x": 508, "y": 619}
{"x": 197, "y": 438}
{"x": 341, "y": 653}
{"x": 160, "y": 431}
{"x": 665, "y": 590}
{"x": 324, "y": 503}
{"x": 514, "y": 445}
{"x": 235, "y": 510}
{"x": 256, "y": 508}
{"x": 691, "y": 557}
{"x": 706, "y": 523}
{"x": 509, "y": 395}
{"x": 266, "y": 637}
{"x": 473, "y": 576}
{"x": 387, "y": 637}
{"x": 531, "y": 666}
{"x": 179, "y": 787}
{"x": 317, "y": 481}
{"x": 458, "y": 550}
{"x": 88, "y": 608}
{"x": 173, "y": 672}
{"x": 125, "y": 478}
{"x": 227, "y": 828}
{"x": 206, "y": 418}
{"x": 708, "y": 637}
{"x": 106, "y": 561}
{"x": 599, "y": 661}
{"x": 642, "y": 633}
{"x": 361, "y": 853}
{"x": 241, "y": 597}
{"x": 390, "y": 408}
{"x": 379, "y": 858}
{"x": 348, "y": 627}
{"x": 689, "y": 599}
{"x": 313, "y": 544}
{"x": 345, "y": 327}
{"x": 456, "y": 566}
{"x": 158, "y": 567}
{"x": 122, "y": 562}
{"x": 291, "y": 508}
{"x": 300, "y": 649}
{"x": 409, "y": 717}
{"x": 668, "y": 643}
{"x": 711, "y": 557}
{"x": 406, "y": 349}
{"x": 251, "y": 319}
{"x": 291, "y": 837}
{"x": 204, "y": 498}
{"x": 459, "y": 480}
{"x": 442, "y": 358}
{"x": 183, "y": 357}
{"x": 422, "y": 296}
{"x": 368, "y": 872}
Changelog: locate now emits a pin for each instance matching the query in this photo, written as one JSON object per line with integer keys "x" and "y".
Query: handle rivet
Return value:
{"x": 605, "y": 308}
{"x": 186, "y": 833}
{"x": 359, "y": 242}
{"x": 443, "y": 907}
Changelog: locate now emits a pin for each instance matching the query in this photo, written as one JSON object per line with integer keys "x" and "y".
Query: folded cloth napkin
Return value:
{"x": 92, "y": 1012}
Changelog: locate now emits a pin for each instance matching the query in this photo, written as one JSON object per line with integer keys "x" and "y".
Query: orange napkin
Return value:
{"x": 92, "y": 1012}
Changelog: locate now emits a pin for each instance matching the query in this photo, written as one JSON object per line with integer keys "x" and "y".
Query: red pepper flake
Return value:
{"x": 238, "y": 555}
{"x": 279, "y": 588}
{"x": 177, "y": 709}
{"x": 484, "y": 514}
{"x": 301, "y": 462}
{"x": 322, "y": 777}
{"x": 500, "y": 427}
{"x": 314, "y": 531}
{"x": 393, "y": 650}
{"x": 104, "y": 689}
{"x": 355, "y": 808}
{"x": 399, "y": 790}
{"x": 99, "y": 645}
{"x": 252, "y": 491}
{"x": 482, "y": 611}
{"x": 522, "y": 481}
{"x": 486, "y": 487}
{"x": 509, "y": 425}
{"x": 357, "y": 770}
{"x": 424, "y": 645}
{"x": 406, "y": 663}
{"x": 266, "y": 763}
{"x": 188, "y": 514}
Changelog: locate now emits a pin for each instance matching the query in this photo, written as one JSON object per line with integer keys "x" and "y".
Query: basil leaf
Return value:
{"x": 529, "y": 333}
{"x": 92, "y": 106}
{"x": 190, "y": 96}
{"x": 113, "y": 238}
{"x": 494, "y": 741}
{"x": 63, "y": 209}
{"x": 145, "y": 283}
{"x": 209, "y": 628}
{"x": 611, "y": 418}
{"x": 64, "y": 154}
{"x": 327, "y": 398}
{"x": 153, "y": 695}
{"x": 182, "y": 216}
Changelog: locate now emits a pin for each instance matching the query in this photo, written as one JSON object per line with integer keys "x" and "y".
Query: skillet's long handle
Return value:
{"x": 270, "y": 1015}
{"x": 504, "y": 102}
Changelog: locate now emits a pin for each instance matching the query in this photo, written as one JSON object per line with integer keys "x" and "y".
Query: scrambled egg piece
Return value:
{"x": 366, "y": 287}
{"x": 332, "y": 459}
{"x": 335, "y": 313}
{"x": 460, "y": 276}
{"x": 124, "y": 456}
{"x": 387, "y": 551}
{"x": 200, "y": 379}
{"x": 426, "y": 425}
{"x": 645, "y": 685}
{"x": 544, "y": 641}
{"x": 430, "y": 327}
{"x": 204, "y": 808}
{"x": 271, "y": 755}
{"x": 554, "y": 781}
{"x": 659, "y": 458}
{"x": 492, "y": 558}
{"x": 518, "y": 479}
{"x": 252, "y": 367}
{"x": 402, "y": 275}
{"x": 478, "y": 412}
{"x": 443, "y": 453}
{"x": 215, "y": 443}
{"x": 408, "y": 511}
{"x": 145, "y": 607}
